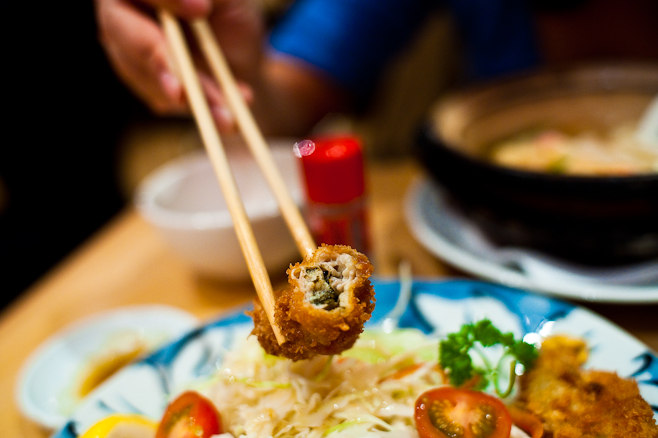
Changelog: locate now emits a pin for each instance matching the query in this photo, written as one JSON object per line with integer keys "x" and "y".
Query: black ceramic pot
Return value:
{"x": 591, "y": 220}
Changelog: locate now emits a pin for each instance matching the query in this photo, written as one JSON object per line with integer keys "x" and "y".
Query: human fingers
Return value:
{"x": 141, "y": 60}
{"x": 187, "y": 9}
{"x": 217, "y": 104}
{"x": 221, "y": 111}
{"x": 137, "y": 50}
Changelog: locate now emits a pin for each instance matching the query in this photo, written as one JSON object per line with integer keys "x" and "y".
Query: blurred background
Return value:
{"x": 66, "y": 114}
{"x": 82, "y": 142}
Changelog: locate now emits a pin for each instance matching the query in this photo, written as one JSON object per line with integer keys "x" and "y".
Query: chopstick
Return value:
{"x": 215, "y": 149}
{"x": 253, "y": 136}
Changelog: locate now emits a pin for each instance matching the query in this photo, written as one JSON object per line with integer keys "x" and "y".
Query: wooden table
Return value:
{"x": 127, "y": 263}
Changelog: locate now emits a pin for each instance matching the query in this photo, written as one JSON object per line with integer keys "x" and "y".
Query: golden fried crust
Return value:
{"x": 310, "y": 330}
{"x": 575, "y": 403}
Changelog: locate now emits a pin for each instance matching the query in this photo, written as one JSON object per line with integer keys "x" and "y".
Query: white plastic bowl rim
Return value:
{"x": 173, "y": 172}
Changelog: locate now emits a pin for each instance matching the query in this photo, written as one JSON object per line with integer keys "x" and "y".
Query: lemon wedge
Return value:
{"x": 123, "y": 426}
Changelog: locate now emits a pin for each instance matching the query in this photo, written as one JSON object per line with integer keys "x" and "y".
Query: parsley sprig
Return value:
{"x": 455, "y": 355}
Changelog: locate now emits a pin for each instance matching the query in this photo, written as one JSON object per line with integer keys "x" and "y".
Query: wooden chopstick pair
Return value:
{"x": 215, "y": 149}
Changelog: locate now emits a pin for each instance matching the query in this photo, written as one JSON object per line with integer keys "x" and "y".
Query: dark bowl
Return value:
{"x": 588, "y": 219}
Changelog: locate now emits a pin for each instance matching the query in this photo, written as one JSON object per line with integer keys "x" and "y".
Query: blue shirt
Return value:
{"x": 352, "y": 40}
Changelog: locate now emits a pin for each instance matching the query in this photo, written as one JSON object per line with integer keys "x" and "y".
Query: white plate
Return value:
{"x": 46, "y": 392}
{"x": 446, "y": 233}
{"x": 436, "y": 308}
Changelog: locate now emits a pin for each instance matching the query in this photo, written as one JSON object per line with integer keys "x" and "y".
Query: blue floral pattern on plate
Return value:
{"x": 435, "y": 307}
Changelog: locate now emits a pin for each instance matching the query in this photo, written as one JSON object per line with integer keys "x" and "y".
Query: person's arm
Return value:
{"x": 292, "y": 97}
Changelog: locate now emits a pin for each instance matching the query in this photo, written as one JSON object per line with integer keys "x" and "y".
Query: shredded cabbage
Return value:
{"x": 368, "y": 391}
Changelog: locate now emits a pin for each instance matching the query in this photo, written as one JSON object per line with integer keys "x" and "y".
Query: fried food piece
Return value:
{"x": 323, "y": 310}
{"x": 573, "y": 403}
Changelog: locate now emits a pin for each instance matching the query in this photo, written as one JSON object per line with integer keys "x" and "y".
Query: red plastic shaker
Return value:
{"x": 336, "y": 208}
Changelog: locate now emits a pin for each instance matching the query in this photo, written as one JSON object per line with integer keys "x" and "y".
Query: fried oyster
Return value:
{"x": 324, "y": 308}
{"x": 576, "y": 403}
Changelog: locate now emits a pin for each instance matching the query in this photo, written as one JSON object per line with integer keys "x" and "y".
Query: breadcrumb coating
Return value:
{"x": 323, "y": 310}
{"x": 575, "y": 403}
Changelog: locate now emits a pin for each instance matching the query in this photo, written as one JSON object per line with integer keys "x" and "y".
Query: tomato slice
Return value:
{"x": 448, "y": 412}
{"x": 527, "y": 421}
{"x": 190, "y": 415}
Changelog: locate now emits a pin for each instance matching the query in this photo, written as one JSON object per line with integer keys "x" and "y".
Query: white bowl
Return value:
{"x": 184, "y": 202}
{"x": 49, "y": 382}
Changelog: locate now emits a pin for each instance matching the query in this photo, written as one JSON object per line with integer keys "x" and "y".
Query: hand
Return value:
{"x": 137, "y": 49}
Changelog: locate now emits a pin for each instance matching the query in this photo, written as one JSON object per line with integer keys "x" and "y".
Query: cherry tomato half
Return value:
{"x": 190, "y": 415}
{"x": 527, "y": 421}
{"x": 461, "y": 413}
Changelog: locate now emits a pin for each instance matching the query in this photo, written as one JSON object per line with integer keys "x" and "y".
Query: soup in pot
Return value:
{"x": 612, "y": 153}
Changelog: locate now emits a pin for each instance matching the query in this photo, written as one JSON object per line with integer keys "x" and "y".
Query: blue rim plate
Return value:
{"x": 435, "y": 307}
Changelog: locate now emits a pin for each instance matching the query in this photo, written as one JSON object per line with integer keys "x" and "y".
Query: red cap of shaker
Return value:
{"x": 334, "y": 171}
